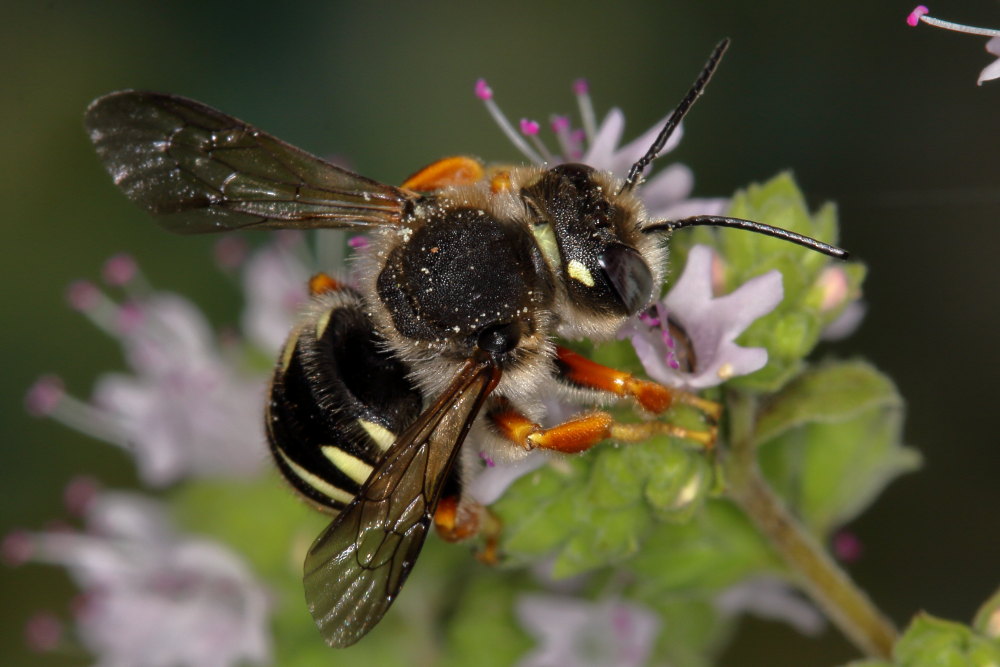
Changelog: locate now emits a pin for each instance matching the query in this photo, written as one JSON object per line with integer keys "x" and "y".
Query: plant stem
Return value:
{"x": 829, "y": 586}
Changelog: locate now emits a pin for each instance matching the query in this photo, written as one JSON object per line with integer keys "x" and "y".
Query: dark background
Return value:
{"x": 884, "y": 119}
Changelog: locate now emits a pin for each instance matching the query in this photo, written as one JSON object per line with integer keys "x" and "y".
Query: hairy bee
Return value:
{"x": 471, "y": 275}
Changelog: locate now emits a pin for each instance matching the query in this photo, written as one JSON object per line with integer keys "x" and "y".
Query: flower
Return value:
{"x": 708, "y": 326}
{"x": 991, "y": 71}
{"x": 666, "y": 195}
{"x": 774, "y": 599}
{"x": 191, "y": 401}
{"x": 573, "y": 632}
{"x": 153, "y": 597}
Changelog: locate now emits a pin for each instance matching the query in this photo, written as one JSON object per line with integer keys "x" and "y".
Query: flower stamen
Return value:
{"x": 530, "y": 129}
{"x": 485, "y": 93}
{"x": 920, "y": 15}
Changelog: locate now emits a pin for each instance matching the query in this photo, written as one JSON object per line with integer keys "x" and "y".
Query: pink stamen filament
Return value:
{"x": 920, "y": 14}
{"x": 530, "y": 128}
{"x": 87, "y": 419}
{"x": 505, "y": 125}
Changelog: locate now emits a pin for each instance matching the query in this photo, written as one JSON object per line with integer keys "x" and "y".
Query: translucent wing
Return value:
{"x": 357, "y": 566}
{"x": 199, "y": 170}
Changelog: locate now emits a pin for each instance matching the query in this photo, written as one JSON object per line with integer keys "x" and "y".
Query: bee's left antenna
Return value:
{"x": 675, "y": 118}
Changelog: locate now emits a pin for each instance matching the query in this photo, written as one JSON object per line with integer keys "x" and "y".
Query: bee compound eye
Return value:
{"x": 499, "y": 338}
{"x": 628, "y": 274}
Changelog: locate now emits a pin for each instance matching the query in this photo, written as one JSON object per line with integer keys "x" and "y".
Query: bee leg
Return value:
{"x": 579, "y": 371}
{"x": 321, "y": 283}
{"x": 583, "y": 432}
{"x": 458, "y": 519}
{"x": 445, "y": 172}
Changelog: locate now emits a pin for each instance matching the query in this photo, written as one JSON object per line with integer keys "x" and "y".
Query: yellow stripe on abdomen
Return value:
{"x": 316, "y": 482}
{"x": 348, "y": 464}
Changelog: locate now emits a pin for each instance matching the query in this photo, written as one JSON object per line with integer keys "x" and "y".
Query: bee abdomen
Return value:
{"x": 338, "y": 399}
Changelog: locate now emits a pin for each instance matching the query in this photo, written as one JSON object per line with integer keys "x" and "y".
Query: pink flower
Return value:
{"x": 666, "y": 195}
{"x": 153, "y": 597}
{"x": 710, "y": 324}
{"x": 577, "y": 632}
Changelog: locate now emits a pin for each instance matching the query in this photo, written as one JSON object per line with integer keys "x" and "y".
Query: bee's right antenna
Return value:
{"x": 675, "y": 118}
{"x": 750, "y": 226}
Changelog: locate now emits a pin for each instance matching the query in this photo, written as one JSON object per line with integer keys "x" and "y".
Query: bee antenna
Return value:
{"x": 675, "y": 118}
{"x": 750, "y": 226}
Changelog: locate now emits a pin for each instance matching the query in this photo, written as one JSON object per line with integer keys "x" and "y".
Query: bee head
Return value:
{"x": 590, "y": 234}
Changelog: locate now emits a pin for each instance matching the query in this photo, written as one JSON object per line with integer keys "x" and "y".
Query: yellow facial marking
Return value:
{"x": 316, "y": 482}
{"x": 382, "y": 436}
{"x": 577, "y": 271}
{"x": 350, "y": 465}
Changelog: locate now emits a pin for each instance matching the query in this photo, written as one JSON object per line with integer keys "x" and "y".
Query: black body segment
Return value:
{"x": 460, "y": 272}
{"x": 357, "y": 566}
{"x": 338, "y": 399}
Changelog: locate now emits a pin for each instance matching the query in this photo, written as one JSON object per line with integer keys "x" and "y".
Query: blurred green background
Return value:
{"x": 884, "y": 119}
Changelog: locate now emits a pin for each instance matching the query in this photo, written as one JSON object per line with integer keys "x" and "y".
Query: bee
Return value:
{"x": 471, "y": 276}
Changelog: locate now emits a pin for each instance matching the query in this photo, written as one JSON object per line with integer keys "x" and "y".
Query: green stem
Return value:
{"x": 829, "y": 586}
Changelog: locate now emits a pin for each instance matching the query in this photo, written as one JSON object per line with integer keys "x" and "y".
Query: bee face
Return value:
{"x": 607, "y": 265}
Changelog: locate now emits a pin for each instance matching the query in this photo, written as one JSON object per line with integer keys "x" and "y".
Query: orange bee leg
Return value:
{"x": 447, "y": 171}
{"x": 322, "y": 283}
{"x": 582, "y": 372}
{"x": 583, "y": 432}
{"x": 456, "y": 521}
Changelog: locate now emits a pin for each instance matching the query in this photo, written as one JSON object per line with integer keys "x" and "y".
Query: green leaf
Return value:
{"x": 933, "y": 642}
{"x": 830, "y": 392}
{"x": 609, "y": 537}
{"x": 717, "y": 548}
{"x": 830, "y": 442}
{"x": 483, "y": 629}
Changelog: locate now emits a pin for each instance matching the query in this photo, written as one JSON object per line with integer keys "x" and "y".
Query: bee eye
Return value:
{"x": 628, "y": 275}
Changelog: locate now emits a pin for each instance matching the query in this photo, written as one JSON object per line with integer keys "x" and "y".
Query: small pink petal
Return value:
{"x": 358, "y": 242}
{"x": 129, "y": 317}
{"x": 82, "y": 295}
{"x": 483, "y": 91}
{"x": 43, "y": 632}
{"x": 847, "y": 547}
{"x": 914, "y": 17}
{"x": 529, "y": 127}
{"x": 648, "y": 319}
{"x": 119, "y": 269}
{"x": 43, "y": 396}
{"x": 17, "y": 548}
{"x": 581, "y": 87}
{"x": 79, "y": 494}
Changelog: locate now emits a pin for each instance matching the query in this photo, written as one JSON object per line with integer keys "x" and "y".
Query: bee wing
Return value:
{"x": 199, "y": 170}
{"x": 356, "y": 567}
